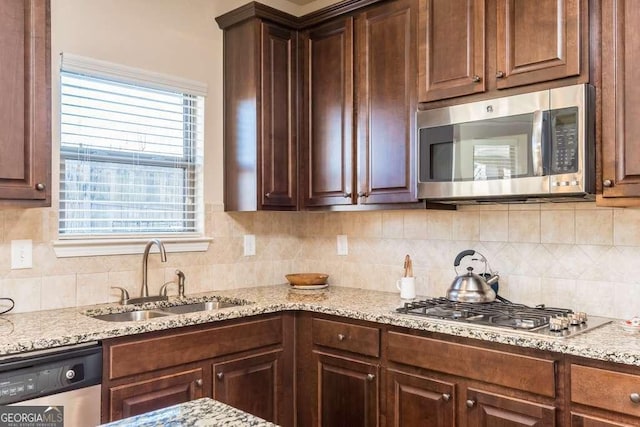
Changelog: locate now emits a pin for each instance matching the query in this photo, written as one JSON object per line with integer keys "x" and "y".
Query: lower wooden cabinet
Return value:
{"x": 143, "y": 396}
{"x": 414, "y": 400}
{"x": 348, "y": 392}
{"x": 485, "y": 409}
{"x": 250, "y": 383}
{"x": 580, "y": 420}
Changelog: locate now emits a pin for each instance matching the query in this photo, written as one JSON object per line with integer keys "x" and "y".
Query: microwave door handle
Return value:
{"x": 536, "y": 143}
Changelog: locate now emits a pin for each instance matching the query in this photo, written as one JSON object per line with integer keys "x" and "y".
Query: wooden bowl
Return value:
{"x": 307, "y": 279}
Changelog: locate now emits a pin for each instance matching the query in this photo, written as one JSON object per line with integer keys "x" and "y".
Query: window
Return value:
{"x": 130, "y": 153}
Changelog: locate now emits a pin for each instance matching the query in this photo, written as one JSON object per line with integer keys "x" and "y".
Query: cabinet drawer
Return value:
{"x": 345, "y": 336}
{"x": 604, "y": 389}
{"x": 524, "y": 373}
{"x": 177, "y": 348}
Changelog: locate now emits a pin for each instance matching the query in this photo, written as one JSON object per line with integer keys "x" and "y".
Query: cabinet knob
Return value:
{"x": 446, "y": 397}
{"x": 499, "y": 74}
{"x": 40, "y": 186}
{"x": 476, "y": 78}
{"x": 220, "y": 375}
{"x": 607, "y": 183}
{"x": 470, "y": 403}
{"x": 347, "y": 195}
{"x": 267, "y": 195}
{"x": 342, "y": 337}
{"x": 371, "y": 377}
{"x": 199, "y": 382}
{"x": 634, "y": 397}
{"x": 363, "y": 194}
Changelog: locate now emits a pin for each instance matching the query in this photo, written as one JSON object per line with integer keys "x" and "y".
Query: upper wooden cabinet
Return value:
{"x": 25, "y": 105}
{"x": 260, "y": 116}
{"x": 359, "y": 103}
{"x": 620, "y": 99}
{"x": 473, "y": 46}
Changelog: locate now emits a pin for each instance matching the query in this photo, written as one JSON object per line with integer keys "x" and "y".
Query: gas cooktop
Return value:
{"x": 539, "y": 320}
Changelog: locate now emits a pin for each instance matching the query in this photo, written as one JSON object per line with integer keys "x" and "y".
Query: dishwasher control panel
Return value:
{"x": 28, "y": 378}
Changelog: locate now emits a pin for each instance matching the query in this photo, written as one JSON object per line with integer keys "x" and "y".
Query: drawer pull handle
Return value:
{"x": 634, "y": 397}
{"x": 342, "y": 337}
{"x": 471, "y": 403}
{"x": 446, "y": 397}
{"x": 371, "y": 377}
{"x": 199, "y": 382}
{"x": 220, "y": 375}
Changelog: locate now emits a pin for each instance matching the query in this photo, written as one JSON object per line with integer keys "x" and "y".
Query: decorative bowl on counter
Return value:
{"x": 307, "y": 279}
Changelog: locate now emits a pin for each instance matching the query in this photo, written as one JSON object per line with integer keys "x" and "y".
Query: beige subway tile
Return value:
{"x": 2, "y": 239}
{"x": 466, "y": 225}
{"x": 242, "y": 223}
{"x": 332, "y": 224}
{"x": 439, "y": 225}
{"x": 392, "y": 224}
{"x": 524, "y": 206}
{"x": 557, "y": 226}
{"x": 415, "y": 224}
{"x": 58, "y": 292}
{"x": 594, "y": 226}
{"x": 626, "y": 227}
{"x": 24, "y": 292}
{"x": 92, "y": 288}
{"x": 23, "y": 224}
{"x": 494, "y": 226}
{"x": 524, "y": 226}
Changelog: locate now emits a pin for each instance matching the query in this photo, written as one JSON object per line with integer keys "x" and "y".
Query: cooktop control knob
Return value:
{"x": 70, "y": 374}
{"x": 574, "y": 319}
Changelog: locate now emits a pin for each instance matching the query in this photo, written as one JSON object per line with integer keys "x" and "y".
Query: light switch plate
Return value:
{"x": 342, "y": 244}
{"x": 249, "y": 244}
{"x": 21, "y": 254}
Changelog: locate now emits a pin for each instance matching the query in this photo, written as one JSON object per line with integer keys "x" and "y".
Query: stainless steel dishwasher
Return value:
{"x": 64, "y": 376}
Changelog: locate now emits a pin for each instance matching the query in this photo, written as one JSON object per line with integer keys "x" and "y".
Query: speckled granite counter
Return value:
{"x": 45, "y": 329}
{"x": 197, "y": 413}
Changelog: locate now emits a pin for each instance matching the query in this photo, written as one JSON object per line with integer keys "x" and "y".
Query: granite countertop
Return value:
{"x": 197, "y": 413}
{"x": 23, "y": 332}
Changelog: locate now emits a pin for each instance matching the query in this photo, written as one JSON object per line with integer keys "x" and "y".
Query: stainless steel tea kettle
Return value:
{"x": 472, "y": 287}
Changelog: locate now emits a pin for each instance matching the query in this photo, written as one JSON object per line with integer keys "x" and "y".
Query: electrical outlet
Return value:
{"x": 342, "y": 244}
{"x": 21, "y": 254}
{"x": 249, "y": 244}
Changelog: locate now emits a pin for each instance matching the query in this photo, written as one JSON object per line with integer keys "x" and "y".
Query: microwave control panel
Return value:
{"x": 564, "y": 134}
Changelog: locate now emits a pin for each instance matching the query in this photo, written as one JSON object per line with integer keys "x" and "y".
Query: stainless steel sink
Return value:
{"x": 198, "y": 306}
{"x": 131, "y": 316}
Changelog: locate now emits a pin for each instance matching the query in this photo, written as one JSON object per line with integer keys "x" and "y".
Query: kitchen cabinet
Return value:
{"x": 148, "y": 395}
{"x": 246, "y": 363}
{"x": 620, "y": 97}
{"x": 416, "y": 400}
{"x": 604, "y": 395}
{"x": 260, "y": 114}
{"x": 338, "y": 371}
{"x": 473, "y": 386}
{"x": 359, "y": 103}
{"x": 25, "y": 105}
{"x": 251, "y": 383}
{"x": 473, "y": 46}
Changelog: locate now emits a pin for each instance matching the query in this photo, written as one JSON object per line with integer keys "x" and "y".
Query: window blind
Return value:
{"x": 130, "y": 158}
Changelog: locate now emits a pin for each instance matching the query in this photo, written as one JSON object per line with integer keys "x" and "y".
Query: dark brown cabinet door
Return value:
{"x": 278, "y": 142}
{"x": 326, "y": 137}
{"x": 144, "y": 396}
{"x": 250, "y": 383}
{"x": 537, "y": 40}
{"x": 348, "y": 392}
{"x": 620, "y": 101}
{"x": 386, "y": 107}
{"x": 418, "y": 401}
{"x": 25, "y": 104}
{"x": 451, "y": 48}
{"x": 579, "y": 420}
{"x": 489, "y": 410}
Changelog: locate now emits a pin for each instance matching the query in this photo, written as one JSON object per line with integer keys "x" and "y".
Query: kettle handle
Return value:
{"x": 462, "y": 255}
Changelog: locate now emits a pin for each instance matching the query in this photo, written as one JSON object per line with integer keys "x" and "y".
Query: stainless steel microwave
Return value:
{"x": 533, "y": 146}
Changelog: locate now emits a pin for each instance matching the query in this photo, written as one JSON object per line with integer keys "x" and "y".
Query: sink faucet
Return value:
{"x": 144, "y": 292}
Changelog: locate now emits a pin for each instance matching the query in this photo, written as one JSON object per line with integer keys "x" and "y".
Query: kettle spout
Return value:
{"x": 493, "y": 279}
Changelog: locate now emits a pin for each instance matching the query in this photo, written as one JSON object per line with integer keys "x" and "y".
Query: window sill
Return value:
{"x": 102, "y": 247}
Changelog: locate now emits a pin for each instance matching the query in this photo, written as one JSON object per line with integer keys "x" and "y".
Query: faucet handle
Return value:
{"x": 181, "y": 280}
{"x": 163, "y": 288}
{"x": 124, "y": 294}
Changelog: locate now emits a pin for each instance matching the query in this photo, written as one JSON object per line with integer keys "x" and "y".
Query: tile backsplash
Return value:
{"x": 571, "y": 255}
